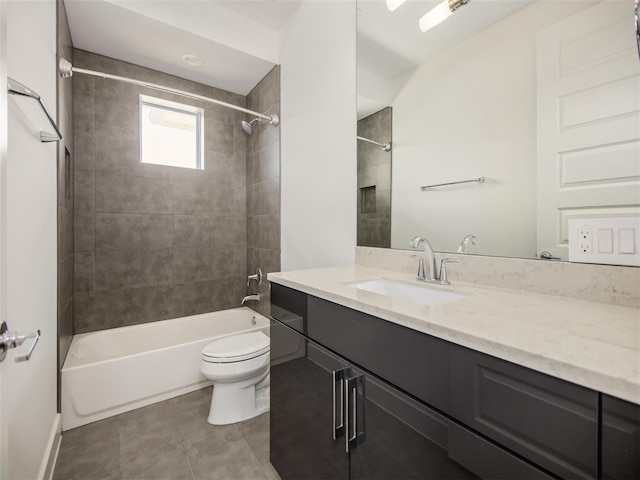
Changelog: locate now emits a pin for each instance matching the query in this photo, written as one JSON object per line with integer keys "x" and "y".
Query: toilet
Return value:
{"x": 238, "y": 366}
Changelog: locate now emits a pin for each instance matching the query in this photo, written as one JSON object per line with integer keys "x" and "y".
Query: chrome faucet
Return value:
{"x": 430, "y": 274}
{"x": 253, "y": 298}
{"x": 465, "y": 242}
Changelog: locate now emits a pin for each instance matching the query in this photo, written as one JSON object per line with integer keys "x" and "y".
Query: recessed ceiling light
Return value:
{"x": 192, "y": 60}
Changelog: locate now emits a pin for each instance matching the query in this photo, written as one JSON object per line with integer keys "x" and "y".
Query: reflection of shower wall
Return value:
{"x": 153, "y": 242}
{"x": 263, "y": 187}
{"x": 374, "y": 181}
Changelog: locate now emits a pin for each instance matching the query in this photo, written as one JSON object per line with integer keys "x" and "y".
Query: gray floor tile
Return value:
{"x": 256, "y": 433}
{"x": 167, "y": 440}
{"x": 224, "y": 455}
{"x": 90, "y": 452}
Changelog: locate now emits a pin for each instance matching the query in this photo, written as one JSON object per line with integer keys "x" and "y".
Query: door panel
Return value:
{"x": 588, "y": 89}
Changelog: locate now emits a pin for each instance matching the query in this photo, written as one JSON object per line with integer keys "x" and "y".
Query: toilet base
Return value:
{"x": 232, "y": 402}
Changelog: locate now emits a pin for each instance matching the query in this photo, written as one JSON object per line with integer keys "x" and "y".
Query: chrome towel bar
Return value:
{"x": 477, "y": 180}
{"x": 16, "y": 88}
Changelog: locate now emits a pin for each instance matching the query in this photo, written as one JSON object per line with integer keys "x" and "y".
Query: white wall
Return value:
{"x": 318, "y": 135}
{"x": 30, "y": 240}
{"x": 471, "y": 112}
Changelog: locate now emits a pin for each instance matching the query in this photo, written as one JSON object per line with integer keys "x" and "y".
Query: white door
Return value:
{"x": 28, "y": 237}
{"x": 588, "y": 89}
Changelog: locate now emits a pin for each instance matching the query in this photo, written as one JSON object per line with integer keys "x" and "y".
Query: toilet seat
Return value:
{"x": 236, "y": 348}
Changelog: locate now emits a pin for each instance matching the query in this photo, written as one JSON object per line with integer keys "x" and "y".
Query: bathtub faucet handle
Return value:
{"x": 256, "y": 276}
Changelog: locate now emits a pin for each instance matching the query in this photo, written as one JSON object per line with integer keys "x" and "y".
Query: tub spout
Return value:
{"x": 254, "y": 298}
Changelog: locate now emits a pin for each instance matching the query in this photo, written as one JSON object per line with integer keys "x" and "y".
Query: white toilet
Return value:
{"x": 238, "y": 366}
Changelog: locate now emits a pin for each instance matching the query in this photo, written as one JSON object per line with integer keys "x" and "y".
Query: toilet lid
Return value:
{"x": 237, "y": 347}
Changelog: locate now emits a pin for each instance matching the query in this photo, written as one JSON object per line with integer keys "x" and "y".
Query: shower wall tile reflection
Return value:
{"x": 374, "y": 181}
{"x": 155, "y": 242}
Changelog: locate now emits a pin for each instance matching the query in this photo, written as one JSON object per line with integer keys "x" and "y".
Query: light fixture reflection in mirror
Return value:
{"x": 439, "y": 13}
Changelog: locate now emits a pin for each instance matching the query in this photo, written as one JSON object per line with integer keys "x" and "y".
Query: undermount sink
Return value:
{"x": 422, "y": 294}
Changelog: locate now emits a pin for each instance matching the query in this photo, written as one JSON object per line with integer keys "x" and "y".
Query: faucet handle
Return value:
{"x": 443, "y": 270}
{"x": 421, "y": 274}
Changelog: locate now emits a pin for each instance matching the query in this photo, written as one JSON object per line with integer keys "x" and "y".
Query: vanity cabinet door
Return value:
{"x": 414, "y": 362}
{"x": 402, "y": 438}
{"x": 620, "y": 439}
{"x": 551, "y": 422}
{"x": 307, "y": 427}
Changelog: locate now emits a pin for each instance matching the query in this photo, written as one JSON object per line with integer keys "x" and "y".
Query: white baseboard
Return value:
{"x": 51, "y": 452}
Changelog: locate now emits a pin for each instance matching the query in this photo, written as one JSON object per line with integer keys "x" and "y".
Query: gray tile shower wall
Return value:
{"x": 65, "y": 193}
{"x": 263, "y": 187}
{"x": 374, "y": 181}
{"x": 153, "y": 242}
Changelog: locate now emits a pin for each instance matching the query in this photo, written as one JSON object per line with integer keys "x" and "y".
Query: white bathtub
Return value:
{"x": 113, "y": 371}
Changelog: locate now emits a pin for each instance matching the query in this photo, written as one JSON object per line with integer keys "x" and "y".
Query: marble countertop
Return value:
{"x": 593, "y": 344}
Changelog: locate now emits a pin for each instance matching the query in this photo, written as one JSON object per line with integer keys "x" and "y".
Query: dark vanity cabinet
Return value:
{"x": 333, "y": 420}
{"x": 355, "y": 396}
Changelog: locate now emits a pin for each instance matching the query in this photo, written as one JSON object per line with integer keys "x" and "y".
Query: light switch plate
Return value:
{"x": 613, "y": 241}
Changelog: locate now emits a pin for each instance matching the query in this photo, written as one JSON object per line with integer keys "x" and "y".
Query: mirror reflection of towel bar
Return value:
{"x": 477, "y": 180}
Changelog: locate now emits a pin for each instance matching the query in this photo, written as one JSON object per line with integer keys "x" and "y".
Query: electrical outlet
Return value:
{"x": 585, "y": 240}
{"x": 610, "y": 240}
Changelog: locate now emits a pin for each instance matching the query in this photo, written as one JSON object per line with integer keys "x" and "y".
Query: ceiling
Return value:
{"x": 239, "y": 39}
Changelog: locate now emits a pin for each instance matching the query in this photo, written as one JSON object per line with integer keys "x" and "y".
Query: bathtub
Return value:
{"x": 113, "y": 371}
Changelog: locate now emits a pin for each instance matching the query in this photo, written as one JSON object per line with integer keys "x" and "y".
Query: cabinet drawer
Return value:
{"x": 488, "y": 460}
{"x": 289, "y": 307}
{"x": 410, "y": 360}
{"x": 549, "y": 421}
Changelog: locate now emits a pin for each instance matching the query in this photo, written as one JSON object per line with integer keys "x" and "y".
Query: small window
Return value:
{"x": 171, "y": 133}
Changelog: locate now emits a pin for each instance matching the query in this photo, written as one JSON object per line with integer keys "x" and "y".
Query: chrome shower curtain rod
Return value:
{"x": 67, "y": 70}
{"x": 384, "y": 146}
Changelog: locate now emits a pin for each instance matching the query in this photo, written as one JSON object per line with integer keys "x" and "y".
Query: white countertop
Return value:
{"x": 593, "y": 344}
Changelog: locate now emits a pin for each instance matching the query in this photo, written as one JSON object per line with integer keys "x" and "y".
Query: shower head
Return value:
{"x": 248, "y": 126}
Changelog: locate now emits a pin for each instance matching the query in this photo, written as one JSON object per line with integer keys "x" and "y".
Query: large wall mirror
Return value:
{"x": 533, "y": 106}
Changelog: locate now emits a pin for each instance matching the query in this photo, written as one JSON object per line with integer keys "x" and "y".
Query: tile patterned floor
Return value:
{"x": 167, "y": 440}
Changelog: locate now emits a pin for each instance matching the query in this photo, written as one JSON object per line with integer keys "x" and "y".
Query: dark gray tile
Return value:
{"x": 90, "y": 452}
{"x": 116, "y": 118}
{"x": 65, "y": 281}
{"x": 208, "y": 296}
{"x": 121, "y": 156}
{"x": 191, "y": 412}
{"x": 224, "y": 455}
{"x": 120, "y": 231}
{"x": 84, "y": 192}
{"x": 218, "y": 135}
{"x": 84, "y": 272}
{"x": 264, "y": 231}
{"x": 84, "y": 151}
{"x": 126, "y": 269}
{"x": 122, "y": 194}
{"x": 84, "y": 233}
{"x": 196, "y": 264}
{"x": 193, "y": 231}
{"x": 266, "y": 163}
{"x": 203, "y": 197}
{"x": 266, "y": 197}
{"x": 266, "y": 93}
{"x": 150, "y": 445}
{"x": 84, "y": 313}
{"x": 83, "y": 59}
{"x": 83, "y": 112}
{"x": 65, "y": 233}
{"x": 256, "y": 433}
{"x": 119, "y": 308}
